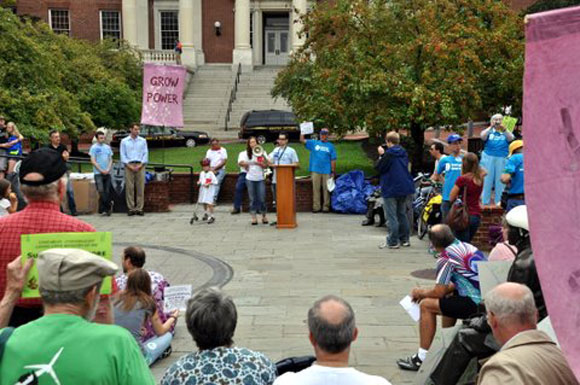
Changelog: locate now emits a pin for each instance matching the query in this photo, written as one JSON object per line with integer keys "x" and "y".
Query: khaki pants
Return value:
{"x": 135, "y": 189}
{"x": 319, "y": 182}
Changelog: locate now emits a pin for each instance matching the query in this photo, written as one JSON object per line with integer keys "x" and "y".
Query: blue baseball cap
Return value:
{"x": 454, "y": 138}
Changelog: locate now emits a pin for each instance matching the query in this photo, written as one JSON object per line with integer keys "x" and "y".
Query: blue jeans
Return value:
{"x": 468, "y": 234}
{"x": 397, "y": 222}
{"x": 70, "y": 196}
{"x": 445, "y": 207}
{"x": 240, "y": 188}
{"x": 494, "y": 165}
{"x": 154, "y": 347}
{"x": 220, "y": 175}
{"x": 257, "y": 194}
{"x": 511, "y": 203}
{"x": 103, "y": 184}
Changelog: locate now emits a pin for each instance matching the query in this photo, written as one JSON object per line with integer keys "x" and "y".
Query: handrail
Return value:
{"x": 80, "y": 161}
{"x": 233, "y": 95}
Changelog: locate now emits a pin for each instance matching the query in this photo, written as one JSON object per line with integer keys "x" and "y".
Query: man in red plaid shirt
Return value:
{"x": 43, "y": 183}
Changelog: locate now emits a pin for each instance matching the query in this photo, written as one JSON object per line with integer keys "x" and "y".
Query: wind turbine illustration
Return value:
{"x": 40, "y": 370}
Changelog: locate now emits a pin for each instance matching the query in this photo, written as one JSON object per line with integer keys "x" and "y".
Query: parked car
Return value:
{"x": 265, "y": 125}
{"x": 158, "y": 136}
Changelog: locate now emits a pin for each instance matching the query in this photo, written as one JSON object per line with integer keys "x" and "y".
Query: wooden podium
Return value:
{"x": 285, "y": 196}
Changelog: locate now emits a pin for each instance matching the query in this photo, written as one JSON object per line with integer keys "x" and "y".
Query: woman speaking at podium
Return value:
{"x": 254, "y": 160}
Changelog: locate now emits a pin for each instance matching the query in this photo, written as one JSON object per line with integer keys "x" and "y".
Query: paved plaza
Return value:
{"x": 275, "y": 275}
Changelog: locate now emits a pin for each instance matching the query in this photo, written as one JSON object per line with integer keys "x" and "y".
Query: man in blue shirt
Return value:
{"x": 396, "y": 186}
{"x": 496, "y": 141}
{"x": 513, "y": 175}
{"x": 450, "y": 168}
{"x": 283, "y": 154}
{"x": 322, "y": 167}
{"x": 102, "y": 160}
{"x": 134, "y": 155}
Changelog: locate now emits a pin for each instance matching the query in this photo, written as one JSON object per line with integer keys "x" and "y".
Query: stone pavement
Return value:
{"x": 277, "y": 275}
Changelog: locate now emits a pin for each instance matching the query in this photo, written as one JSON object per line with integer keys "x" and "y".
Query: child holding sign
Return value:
{"x": 207, "y": 185}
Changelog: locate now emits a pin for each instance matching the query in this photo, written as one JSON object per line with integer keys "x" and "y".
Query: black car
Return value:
{"x": 158, "y": 136}
{"x": 265, "y": 125}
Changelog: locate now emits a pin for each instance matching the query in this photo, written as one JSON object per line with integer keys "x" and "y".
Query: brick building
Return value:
{"x": 250, "y": 32}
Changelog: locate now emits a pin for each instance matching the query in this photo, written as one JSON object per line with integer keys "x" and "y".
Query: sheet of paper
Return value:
{"x": 176, "y": 298}
{"x": 492, "y": 274}
{"x": 32, "y": 244}
{"x": 306, "y": 128}
{"x": 509, "y": 123}
{"x": 411, "y": 308}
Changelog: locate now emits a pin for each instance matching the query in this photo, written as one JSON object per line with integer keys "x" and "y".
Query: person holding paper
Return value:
{"x": 135, "y": 156}
{"x": 64, "y": 346}
{"x": 513, "y": 175}
{"x": 456, "y": 293}
{"x": 322, "y": 167}
{"x": 134, "y": 306}
{"x": 496, "y": 141}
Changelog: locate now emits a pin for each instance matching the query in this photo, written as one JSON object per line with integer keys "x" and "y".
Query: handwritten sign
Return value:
{"x": 32, "y": 244}
{"x": 176, "y": 298}
{"x": 492, "y": 274}
{"x": 163, "y": 95}
{"x": 509, "y": 123}
{"x": 306, "y": 128}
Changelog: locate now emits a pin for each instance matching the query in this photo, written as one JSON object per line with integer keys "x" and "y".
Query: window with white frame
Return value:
{"x": 59, "y": 21}
{"x": 169, "y": 26}
{"x": 111, "y": 25}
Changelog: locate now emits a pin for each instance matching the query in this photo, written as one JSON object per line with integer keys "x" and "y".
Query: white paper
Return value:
{"x": 491, "y": 274}
{"x": 306, "y": 128}
{"x": 411, "y": 307}
{"x": 176, "y": 298}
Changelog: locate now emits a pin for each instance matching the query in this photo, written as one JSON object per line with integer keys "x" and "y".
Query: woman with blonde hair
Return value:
{"x": 470, "y": 185}
{"x": 13, "y": 146}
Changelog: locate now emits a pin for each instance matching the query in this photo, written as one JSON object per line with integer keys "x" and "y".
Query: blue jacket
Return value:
{"x": 396, "y": 180}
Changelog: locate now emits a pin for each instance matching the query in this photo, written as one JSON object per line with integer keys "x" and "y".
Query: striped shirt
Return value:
{"x": 457, "y": 264}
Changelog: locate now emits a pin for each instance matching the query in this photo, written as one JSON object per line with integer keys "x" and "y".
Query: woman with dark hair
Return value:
{"x": 255, "y": 179}
{"x": 134, "y": 306}
{"x": 469, "y": 183}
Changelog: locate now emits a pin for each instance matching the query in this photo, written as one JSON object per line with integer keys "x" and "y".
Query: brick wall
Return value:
{"x": 489, "y": 216}
{"x": 218, "y": 49}
{"x": 84, "y": 14}
{"x": 157, "y": 197}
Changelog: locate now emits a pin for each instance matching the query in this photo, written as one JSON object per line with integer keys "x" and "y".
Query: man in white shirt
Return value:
{"x": 218, "y": 157}
{"x": 135, "y": 156}
{"x": 332, "y": 330}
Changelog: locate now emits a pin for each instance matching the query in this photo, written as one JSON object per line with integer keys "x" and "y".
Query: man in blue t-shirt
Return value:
{"x": 322, "y": 167}
{"x": 102, "y": 160}
{"x": 450, "y": 168}
{"x": 513, "y": 175}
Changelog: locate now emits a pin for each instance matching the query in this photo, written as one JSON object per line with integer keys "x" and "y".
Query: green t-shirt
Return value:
{"x": 83, "y": 353}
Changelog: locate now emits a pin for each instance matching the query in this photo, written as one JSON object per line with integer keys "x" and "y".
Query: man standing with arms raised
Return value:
{"x": 322, "y": 167}
{"x": 134, "y": 155}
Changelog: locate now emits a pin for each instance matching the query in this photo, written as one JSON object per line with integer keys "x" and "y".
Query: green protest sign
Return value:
{"x": 32, "y": 244}
{"x": 509, "y": 123}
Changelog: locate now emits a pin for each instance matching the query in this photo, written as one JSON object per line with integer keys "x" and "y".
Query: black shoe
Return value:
{"x": 131, "y": 213}
{"x": 235, "y": 211}
{"x": 273, "y": 223}
{"x": 75, "y": 214}
{"x": 412, "y": 363}
{"x": 140, "y": 213}
{"x": 166, "y": 353}
{"x": 368, "y": 222}
{"x": 316, "y": 211}
{"x": 210, "y": 220}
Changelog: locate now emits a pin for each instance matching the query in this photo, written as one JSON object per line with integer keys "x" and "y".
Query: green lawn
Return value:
{"x": 350, "y": 157}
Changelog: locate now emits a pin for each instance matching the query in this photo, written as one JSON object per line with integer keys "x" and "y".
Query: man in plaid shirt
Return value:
{"x": 456, "y": 294}
{"x": 43, "y": 183}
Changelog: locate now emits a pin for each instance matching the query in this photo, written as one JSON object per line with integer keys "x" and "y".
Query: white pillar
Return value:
{"x": 242, "y": 50}
{"x": 198, "y": 32}
{"x": 300, "y": 7}
{"x": 186, "y": 33}
{"x": 141, "y": 14}
{"x": 129, "y": 21}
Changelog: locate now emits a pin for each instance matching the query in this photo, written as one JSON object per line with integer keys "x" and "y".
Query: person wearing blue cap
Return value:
{"x": 322, "y": 167}
{"x": 449, "y": 169}
{"x": 496, "y": 140}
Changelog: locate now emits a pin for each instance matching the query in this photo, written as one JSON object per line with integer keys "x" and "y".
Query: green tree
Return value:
{"x": 405, "y": 64}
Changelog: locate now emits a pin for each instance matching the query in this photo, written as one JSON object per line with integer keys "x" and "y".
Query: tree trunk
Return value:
{"x": 418, "y": 136}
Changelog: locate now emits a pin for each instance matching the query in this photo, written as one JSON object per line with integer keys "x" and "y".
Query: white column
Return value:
{"x": 198, "y": 32}
{"x": 299, "y": 8}
{"x": 186, "y": 33}
{"x": 242, "y": 50}
{"x": 258, "y": 28}
{"x": 129, "y": 22}
{"x": 141, "y": 14}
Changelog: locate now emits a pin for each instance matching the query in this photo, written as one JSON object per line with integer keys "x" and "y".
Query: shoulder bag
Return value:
{"x": 458, "y": 217}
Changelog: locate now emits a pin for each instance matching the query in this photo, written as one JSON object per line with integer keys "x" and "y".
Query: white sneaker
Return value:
{"x": 406, "y": 244}
{"x": 384, "y": 245}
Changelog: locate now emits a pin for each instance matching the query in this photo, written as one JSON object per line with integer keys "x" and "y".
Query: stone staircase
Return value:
{"x": 208, "y": 93}
{"x": 254, "y": 94}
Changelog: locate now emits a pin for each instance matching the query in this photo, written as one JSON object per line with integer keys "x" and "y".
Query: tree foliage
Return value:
{"x": 405, "y": 64}
{"x": 50, "y": 81}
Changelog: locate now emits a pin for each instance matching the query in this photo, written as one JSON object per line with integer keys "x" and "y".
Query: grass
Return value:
{"x": 351, "y": 156}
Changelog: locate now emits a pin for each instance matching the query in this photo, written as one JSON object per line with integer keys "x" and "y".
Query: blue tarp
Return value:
{"x": 351, "y": 193}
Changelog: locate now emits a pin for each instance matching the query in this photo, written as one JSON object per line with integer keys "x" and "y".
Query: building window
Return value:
{"x": 111, "y": 25}
{"x": 59, "y": 21}
{"x": 169, "y": 29}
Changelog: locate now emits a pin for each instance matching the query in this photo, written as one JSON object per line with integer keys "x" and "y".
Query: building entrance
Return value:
{"x": 276, "y": 38}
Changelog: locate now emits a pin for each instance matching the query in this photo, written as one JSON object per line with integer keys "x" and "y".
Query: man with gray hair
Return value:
{"x": 43, "y": 183}
{"x": 63, "y": 344}
{"x": 527, "y": 356}
{"x": 332, "y": 327}
{"x": 211, "y": 319}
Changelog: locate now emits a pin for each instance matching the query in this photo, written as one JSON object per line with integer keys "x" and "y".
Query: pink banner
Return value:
{"x": 552, "y": 164}
{"x": 163, "y": 95}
